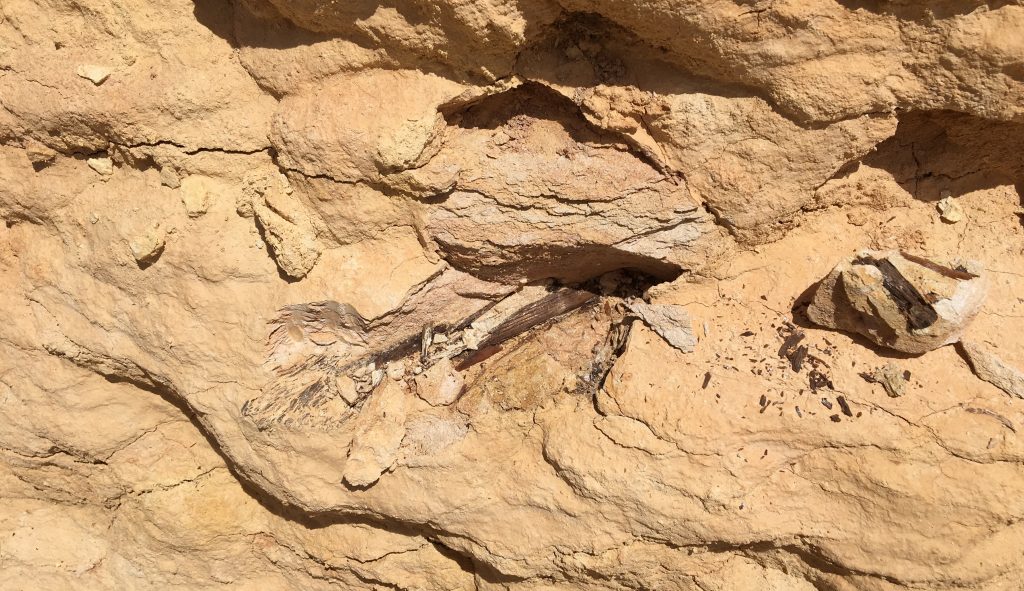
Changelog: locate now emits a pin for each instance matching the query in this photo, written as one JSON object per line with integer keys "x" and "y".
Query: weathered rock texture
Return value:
{"x": 899, "y": 301}
{"x": 176, "y": 175}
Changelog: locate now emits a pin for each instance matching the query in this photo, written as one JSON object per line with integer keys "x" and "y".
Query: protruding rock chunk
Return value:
{"x": 39, "y": 154}
{"x": 147, "y": 246}
{"x": 102, "y": 165}
{"x": 379, "y": 431}
{"x": 441, "y": 384}
{"x": 286, "y": 226}
{"x": 897, "y": 300}
{"x": 93, "y": 73}
{"x": 195, "y": 195}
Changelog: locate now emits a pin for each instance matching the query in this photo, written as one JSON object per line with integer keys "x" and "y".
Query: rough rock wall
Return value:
{"x": 174, "y": 173}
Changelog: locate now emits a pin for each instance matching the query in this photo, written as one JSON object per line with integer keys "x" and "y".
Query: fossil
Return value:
{"x": 899, "y": 301}
{"x": 918, "y": 310}
{"x": 325, "y": 358}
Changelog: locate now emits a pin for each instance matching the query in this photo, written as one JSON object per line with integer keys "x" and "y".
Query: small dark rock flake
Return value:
{"x": 818, "y": 380}
{"x": 845, "y": 406}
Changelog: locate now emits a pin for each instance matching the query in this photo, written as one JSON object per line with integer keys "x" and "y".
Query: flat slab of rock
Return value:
{"x": 898, "y": 300}
{"x": 672, "y": 323}
{"x": 992, "y": 369}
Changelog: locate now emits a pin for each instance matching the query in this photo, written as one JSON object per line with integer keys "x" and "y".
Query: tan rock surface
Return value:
{"x": 175, "y": 176}
{"x": 900, "y": 301}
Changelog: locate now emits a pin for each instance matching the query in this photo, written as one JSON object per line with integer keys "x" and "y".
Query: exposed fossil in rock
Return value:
{"x": 528, "y": 270}
{"x": 898, "y": 300}
{"x": 326, "y": 358}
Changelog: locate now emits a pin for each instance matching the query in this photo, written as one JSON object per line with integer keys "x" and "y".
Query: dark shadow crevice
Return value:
{"x": 925, "y": 12}
{"x": 936, "y": 154}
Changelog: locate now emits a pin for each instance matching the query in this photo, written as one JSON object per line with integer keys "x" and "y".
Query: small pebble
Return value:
{"x": 950, "y": 211}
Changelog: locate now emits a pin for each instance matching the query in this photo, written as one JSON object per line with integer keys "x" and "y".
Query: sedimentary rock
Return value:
{"x": 987, "y": 365}
{"x": 899, "y": 301}
{"x": 147, "y": 246}
{"x": 439, "y": 212}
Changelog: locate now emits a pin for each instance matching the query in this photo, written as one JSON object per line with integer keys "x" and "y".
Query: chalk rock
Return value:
{"x": 379, "y": 431}
{"x": 440, "y": 385}
{"x": 898, "y": 301}
{"x": 102, "y": 165}
{"x": 147, "y": 247}
{"x": 195, "y": 194}
{"x": 992, "y": 369}
{"x": 95, "y": 74}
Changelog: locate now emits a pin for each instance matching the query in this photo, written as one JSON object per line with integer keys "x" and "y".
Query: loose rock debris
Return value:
{"x": 910, "y": 304}
{"x": 844, "y": 405}
{"x": 890, "y": 377}
{"x": 672, "y": 323}
{"x": 818, "y": 380}
{"x": 950, "y": 211}
{"x": 796, "y": 359}
{"x": 792, "y": 349}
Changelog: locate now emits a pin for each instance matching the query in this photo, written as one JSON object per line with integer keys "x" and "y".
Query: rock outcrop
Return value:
{"x": 487, "y": 294}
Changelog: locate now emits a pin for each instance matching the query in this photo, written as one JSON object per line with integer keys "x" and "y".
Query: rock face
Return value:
{"x": 486, "y": 294}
